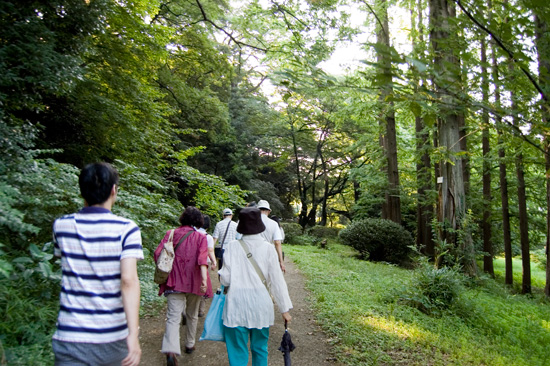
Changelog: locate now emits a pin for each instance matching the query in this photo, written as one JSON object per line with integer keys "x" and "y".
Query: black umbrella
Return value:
{"x": 287, "y": 346}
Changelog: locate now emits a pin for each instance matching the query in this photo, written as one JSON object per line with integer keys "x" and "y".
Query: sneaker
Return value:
{"x": 189, "y": 350}
{"x": 201, "y": 314}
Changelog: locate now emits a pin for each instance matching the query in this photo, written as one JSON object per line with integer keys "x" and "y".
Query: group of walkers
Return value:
{"x": 98, "y": 321}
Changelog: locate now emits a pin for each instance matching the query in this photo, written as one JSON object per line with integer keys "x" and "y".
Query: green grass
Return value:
{"x": 538, "y": 275}
{"x": 352, "y": 298}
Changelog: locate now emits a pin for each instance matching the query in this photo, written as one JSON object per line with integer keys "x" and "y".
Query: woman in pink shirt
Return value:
{"x": 187, "y": 283}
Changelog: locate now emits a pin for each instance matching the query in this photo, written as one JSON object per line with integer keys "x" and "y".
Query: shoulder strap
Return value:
{"x": 254, "y": 263}
{"x": 224, "y": 235}
{"x": 182, "y": 239}
{"x": 170, "y": 239}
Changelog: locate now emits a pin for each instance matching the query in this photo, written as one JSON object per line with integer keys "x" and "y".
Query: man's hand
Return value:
{"x": 134, "y": 352}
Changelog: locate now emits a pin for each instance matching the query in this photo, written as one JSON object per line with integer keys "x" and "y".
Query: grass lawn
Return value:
{"x": 356, "y": 305}
{"x": 538, "y": 275}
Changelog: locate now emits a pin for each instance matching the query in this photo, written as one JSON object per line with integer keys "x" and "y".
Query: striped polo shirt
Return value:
{"x": 91, "y": 244}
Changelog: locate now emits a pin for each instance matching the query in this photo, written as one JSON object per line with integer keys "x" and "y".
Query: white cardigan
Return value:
{"x": 248, "y": 303}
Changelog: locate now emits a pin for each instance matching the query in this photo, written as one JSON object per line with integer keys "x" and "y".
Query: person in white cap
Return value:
{"x": 272, "y": 233}
{"x": 224, "y": 232}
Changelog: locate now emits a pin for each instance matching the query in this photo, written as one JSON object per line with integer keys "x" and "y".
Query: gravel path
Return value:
{"x": 312, "y": 348}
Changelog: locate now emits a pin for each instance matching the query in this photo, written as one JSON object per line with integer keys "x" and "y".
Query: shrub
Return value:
{"x": 539, "y": 257}
{"x": 378, "y": 240}
{"x": 292, "y": 231}
{"x": 433, "y": 289}
{"x": 323, "y": 232}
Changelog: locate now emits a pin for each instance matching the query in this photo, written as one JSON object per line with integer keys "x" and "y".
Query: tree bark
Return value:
{"x": 452, "y": 205}
{"x": 487, "y": 244}
{"x": 523, "y": 227}
{"x": 391, "y": 209}
{"x": 424, "y": 206}
{"x": 503, "y": 180}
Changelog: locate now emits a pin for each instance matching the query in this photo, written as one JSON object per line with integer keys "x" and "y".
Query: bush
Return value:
{"x": 378, "y": 240}
{"x": 433, "y": 289}
{"x": 306, "y": 240}
{"x": 323, "y": 232}
{"x": 292, "y": 231}
{"x": 539, "y": 257}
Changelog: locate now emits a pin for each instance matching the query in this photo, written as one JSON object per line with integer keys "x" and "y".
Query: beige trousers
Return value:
{"x": 176, "y": 304}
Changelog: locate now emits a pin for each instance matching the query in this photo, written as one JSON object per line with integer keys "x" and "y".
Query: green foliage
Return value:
{"x": 378, "y": 240}
{"x": 36, "y": 191}
{"x": 305, "y": 240}
{"x": 292, "y": 231}
{"x": 39, "y": 54}
{"x": 539, "y": 257}
{"x": 28, "y": 305}
{"x": 323, "y": 232}
{"x": 151, "y": 304}
{"x": 538, "y": 274}
{"x": 145, "y": 199}
{"x": 432, "y": 290}
{"x": 487, "y": 325}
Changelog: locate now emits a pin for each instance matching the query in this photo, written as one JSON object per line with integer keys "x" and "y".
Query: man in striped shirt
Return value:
{"x": 98, "y": 320}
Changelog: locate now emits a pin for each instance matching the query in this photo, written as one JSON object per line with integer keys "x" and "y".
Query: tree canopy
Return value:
{"x": 439, "y": 123}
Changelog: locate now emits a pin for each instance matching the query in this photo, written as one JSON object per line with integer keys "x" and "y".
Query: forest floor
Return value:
{"x": 312, "y": 345}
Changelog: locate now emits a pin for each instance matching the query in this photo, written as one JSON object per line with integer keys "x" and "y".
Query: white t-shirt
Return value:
{"x": 209, "y": 238}
{"x": 272, "y": 231}
{"x": 248, "y": 303}
{"x": 91, "y": 244}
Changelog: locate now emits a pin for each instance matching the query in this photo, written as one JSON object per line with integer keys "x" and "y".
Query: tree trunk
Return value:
{"x": 391, "y": 209}
{"x": 504, "y": 200}
{"x": 326, "y": 192}
{"x": 302, "y": 188}
{"x": 424, "y": 237}
{"x": 487, "y": 244}
{"x": 542, "y": 41}
{"x": 424, "y": 206}
{"x": 523, "y": 227}
{"x": 452, "y": 205}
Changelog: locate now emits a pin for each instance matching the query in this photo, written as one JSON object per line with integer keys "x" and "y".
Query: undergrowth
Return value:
{"x": 356, "y": 304}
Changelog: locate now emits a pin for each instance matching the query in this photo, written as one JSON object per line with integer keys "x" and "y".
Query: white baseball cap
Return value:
{"x": 227, "y": 211}
{"x": 264, "y": 204}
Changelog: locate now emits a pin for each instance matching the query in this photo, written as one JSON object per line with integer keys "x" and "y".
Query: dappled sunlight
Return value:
{"x": 397, "y": 328}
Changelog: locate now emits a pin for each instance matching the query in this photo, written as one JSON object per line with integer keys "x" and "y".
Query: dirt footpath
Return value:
{"x": 312, "y": 348}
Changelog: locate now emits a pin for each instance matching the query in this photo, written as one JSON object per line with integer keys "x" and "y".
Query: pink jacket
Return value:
{"x": 190, "y": 255}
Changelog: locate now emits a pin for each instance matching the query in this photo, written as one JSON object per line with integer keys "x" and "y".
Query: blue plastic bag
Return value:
{"x": 213, "y": 323}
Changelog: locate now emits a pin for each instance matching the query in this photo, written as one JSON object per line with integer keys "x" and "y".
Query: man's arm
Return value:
{"x": 213, "y": 261}
{"x": 129, "y": 286}
{"x": 279, "y": 249}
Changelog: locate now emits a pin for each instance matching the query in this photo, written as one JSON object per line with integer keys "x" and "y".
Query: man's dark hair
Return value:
{"x": 96, "y": 181}
{"x": 206, "y": 220}
{"x": 191, "y": 216}
{"x": 276, "y": 219}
